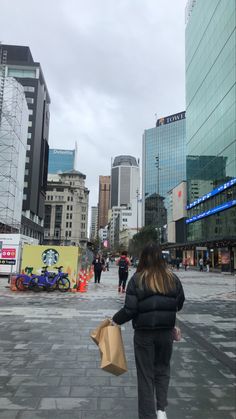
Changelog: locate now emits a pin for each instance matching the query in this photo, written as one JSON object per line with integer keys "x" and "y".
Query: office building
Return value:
{"x": 103, "y": 200}
{"x": 14, "y": 118}
{"x": 211, "y": 130}
{"x": 164, "y": 166}
{"x": 61, "y": 160}
{"x": 125, "y": 180}
{"x": 20, "y": 64}
{"x": 66, "y": 210}
{"x": 94, "y": 223}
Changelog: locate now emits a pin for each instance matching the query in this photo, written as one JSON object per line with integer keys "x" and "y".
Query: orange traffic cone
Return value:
{"x": 13, "y": 283}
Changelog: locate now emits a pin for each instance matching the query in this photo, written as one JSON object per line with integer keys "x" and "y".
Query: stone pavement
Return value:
{"x": 49, "y": 366}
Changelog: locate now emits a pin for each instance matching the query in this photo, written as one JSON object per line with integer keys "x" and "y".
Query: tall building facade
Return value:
{"x": 125, "y": 180}
{"x": 13, "y": 143}
{"x": 211, "y": 129}
{"x": 66, "y": 210}
{"x": 103, "y": 200}
{"x": 21, "y": 66}
{"x": 164, "y": 166}
{"x": 94, "y": 223}
{"x": 61, "y": 160}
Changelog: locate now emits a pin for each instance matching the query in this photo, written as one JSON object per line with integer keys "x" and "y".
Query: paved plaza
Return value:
{"x": 49, "y": 366}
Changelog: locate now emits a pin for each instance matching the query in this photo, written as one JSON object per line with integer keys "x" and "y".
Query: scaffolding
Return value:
{"x": 13, "y": 143}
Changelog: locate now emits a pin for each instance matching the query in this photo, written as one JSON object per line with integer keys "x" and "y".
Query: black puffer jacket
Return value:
{"x": 149, "y": 310}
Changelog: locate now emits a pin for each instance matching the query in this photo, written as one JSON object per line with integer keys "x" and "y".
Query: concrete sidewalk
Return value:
{"x": 49, "y": 366}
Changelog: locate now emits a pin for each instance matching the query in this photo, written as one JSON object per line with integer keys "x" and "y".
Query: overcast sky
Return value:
{"x": 110, "y": 66}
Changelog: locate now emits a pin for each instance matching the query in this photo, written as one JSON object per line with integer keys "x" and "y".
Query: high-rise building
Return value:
{"x": 94, "y": 223}
{"x": 103, "y": 200}
{"x": 125, "y": 180}
{"x": 66, "y": 209}
{"x": 21, "y": 66}
{"x": 61, "y": 160}
{"x": 211, "y": 129}
{"x": 164, "y": 166}
{"x": 13, "y": 142}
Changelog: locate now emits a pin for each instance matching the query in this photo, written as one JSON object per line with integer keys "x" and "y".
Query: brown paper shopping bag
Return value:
{"x": 96, "y": 333}
{"x": 111, "y": 347}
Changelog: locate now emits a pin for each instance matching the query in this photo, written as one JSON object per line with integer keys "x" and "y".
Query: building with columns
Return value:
{"x": 66, "y": 209}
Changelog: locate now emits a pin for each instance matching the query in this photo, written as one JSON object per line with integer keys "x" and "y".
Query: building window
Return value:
{"x": 67, "y": 225}
{"x": 68, "y": 198}
{"x": 58, "y": 216}
{"x": 29, "y": 89}
{"x": 70, "y": 216}
{"x": 29, "y": 135}
{"x": 71, "y": 207}
{"x": 24, "y": 197}
{"x": 70, "y": 224}
{"x": 15, "y": 72}
{"x": 47, "y": 217}
{"x": 68, "y": 208}
{"x": 67, "y": 216}
{"x": 69, "y": 233}
{"x": 30, "y": 100}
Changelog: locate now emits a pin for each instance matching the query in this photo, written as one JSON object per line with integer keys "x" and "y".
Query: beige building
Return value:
{"x": 125, "y": 236}
{"x": 66, "y": 209}
{"x": 103, "y": 200}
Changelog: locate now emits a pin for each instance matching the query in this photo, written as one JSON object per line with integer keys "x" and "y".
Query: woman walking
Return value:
{"x": 99, "y": 264}
{"x": 153, "y": 296}
{"x": 124, "y": 263}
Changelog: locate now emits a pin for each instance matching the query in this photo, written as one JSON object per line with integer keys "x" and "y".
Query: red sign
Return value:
{"x": 8, "y": 253}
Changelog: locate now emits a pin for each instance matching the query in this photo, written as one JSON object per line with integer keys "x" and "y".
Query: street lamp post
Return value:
{"x": 137, "y": 196}
{"x": 157, "y": 165}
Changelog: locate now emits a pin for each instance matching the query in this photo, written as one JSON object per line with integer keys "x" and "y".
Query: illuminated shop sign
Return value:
{"x": 212, "y": 193}
{"x": 171, "y": 118}
{"x": 211, "y": 211}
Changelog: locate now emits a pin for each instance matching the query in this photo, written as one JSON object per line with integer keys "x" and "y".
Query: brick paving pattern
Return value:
{"x": 49, "y": 366}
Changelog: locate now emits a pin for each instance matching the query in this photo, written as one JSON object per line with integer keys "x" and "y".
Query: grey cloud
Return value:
{"x": 110, "y": 65}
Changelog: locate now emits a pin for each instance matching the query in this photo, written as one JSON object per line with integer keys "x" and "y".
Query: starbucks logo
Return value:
{"x": 50, "y": 257}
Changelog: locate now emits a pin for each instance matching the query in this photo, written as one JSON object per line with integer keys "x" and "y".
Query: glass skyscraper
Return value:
{"x": 164, "y": 166}
{"x": 211, "y": 125}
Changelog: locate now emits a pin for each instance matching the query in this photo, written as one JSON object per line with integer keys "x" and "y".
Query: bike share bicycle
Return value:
{"x": 48, "y": 281}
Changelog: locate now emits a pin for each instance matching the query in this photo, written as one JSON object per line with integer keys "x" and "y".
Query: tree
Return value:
{"x": 139, "y": 240}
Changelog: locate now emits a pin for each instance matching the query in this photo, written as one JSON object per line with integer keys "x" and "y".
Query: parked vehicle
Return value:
{"x": 47, "y": 281}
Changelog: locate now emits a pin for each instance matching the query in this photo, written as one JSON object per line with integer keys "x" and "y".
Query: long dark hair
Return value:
{"x": 152, "y": 270}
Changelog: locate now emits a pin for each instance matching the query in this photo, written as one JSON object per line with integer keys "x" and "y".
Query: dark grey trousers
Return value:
{"x": 153, "y": 351}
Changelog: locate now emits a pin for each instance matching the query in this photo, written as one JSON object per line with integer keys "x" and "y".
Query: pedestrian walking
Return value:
{"x": 200, "y": 264}
{"x": 177, "y": 262}
{"x": 107, "y": 263}
{"x": 153, "y": 296}
{"x": 123, "y": 262}
{"x": 99, "y": 265}
{"x": 208, "y": 263}
{"x": 185, "y": 264}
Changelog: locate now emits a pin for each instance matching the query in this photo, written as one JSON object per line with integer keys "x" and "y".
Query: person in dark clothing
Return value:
{"x": 177, "y": 262}
{"x": 98, "y": 263}
{"x": 123, "y": 262}
{"x": 153, "y": 296}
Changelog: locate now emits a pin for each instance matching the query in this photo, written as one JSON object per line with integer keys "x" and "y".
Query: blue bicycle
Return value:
{"x": 49, "y": 281}
{"x": 23, "y": 280}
